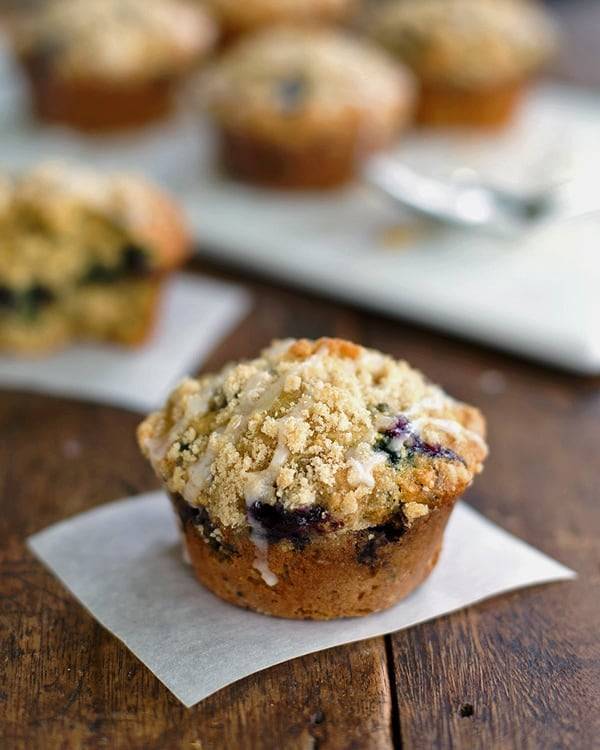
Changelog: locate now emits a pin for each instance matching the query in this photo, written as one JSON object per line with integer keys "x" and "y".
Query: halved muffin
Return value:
{"x": 83, "y": 255}
{"x": 316, "y": 480}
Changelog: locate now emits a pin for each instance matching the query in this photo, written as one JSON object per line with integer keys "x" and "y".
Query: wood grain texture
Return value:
{"x": 527, "y": 663}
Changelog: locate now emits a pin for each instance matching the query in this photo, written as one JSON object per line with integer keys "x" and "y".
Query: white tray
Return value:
{"x": 537, "y": 296}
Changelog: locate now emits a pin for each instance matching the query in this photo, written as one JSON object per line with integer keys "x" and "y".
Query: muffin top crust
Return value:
{"x": 324, "y": 425}
{"x": 293, "y": 81}
{"x": 116, "y": 38}
{"x": 63, "y": 224}
{"x": 250, "y": 14}
{"x": 466, "y": 43}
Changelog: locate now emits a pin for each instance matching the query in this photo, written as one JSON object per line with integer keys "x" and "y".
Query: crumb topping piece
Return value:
{"x": 314, "y": 435}
{"x": 466, "y": 43}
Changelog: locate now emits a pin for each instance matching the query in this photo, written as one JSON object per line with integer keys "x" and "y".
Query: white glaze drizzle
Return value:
{"x": 251, "y": 399}
{"x": 260, "y": 485}
{"x": 157, "y": 447}
{"x": 448, "y": 426}
{"x": 435, "y": 401}
{"x": 362, "y": 469}
{"x": 261, "y": 545}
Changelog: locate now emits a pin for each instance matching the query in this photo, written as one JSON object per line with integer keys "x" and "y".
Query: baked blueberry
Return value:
{"x": 296, "y": 526}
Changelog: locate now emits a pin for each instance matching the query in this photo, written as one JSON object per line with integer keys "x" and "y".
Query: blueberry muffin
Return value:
{"x": 82, "y": 257}
{"x": 472, "y": 58}
{"x": 298, "y": 107}
{"x": 106, "y": 64}
{"x": 237, "y": 17}
{"x": 315, "y": 481}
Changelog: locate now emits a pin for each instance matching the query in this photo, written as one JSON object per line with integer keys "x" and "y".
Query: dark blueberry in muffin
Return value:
{"x": 200, "y": 518}
{"x": 30, "y": 302}
{"x": 7, "y": 298}
{"x": 434, "y": 450}
{"x": 296, "y": 526}
{"x": 411, "y": 445}
{"x": 100, "y": 274}
{"x": 291, "y": 93}
{"x": 376, "y": 537}
{"x": 134, "y": 260}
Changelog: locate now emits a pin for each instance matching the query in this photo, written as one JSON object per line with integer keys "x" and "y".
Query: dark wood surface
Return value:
{"x": 519, "y": 671}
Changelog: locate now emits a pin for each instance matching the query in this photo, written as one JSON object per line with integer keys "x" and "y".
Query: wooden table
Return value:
{"x": 519, "y": 671}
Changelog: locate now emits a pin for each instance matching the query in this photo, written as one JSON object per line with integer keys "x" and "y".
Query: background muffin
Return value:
{"x": 106, "y": 64}
{"x": 298, "y": 107}
{"x": 472, "y": 57}
{"x": 82, "y": 257}
{"x": 316, "y": 480}
{"x": 237, "y": 17}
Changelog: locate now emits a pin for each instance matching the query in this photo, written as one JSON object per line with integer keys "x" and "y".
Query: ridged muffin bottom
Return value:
{"x": 320, "y": 163}
{"x": 335, "y": 575}
{"x": 97, "y": 105}
{"x": 486, "y": 108}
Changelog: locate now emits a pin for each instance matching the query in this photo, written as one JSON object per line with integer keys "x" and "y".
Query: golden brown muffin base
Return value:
{"x": 323, "y": 581}
{"x": 97, "y": 105}
{"x": 490, "y": 108}
{"x": 326, "y": 163}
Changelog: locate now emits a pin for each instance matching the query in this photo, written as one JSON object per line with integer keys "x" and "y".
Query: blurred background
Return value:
{"x": 443, "y": 153}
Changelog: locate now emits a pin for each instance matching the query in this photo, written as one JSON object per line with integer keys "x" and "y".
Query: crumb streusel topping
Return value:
{"x": 466, "y": 43}
{"x": 117, "y": 38}
{"x": 325, "y": 425}
{"x": 292, "y": 80}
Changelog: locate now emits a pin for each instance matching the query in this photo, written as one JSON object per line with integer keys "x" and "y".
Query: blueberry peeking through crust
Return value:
{"x": 400, "y": 441}
{"x": 376, "y": 537}
{"x": 296, "y": 526}
{"x": 28, "y": 303}
{"x": 7, "y": 298}
{"x": 134, "y": 262}
{"x": 200, "y": 519}
{"x": 291, "y": 93}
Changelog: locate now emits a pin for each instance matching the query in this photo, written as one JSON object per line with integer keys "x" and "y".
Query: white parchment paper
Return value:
{"x": 196, "y": 312}
{"x": 137, "y": 586}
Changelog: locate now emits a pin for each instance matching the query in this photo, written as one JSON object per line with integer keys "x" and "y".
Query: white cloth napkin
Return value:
{"x": 196, "y": 313}
{"x": 138, "y": 587}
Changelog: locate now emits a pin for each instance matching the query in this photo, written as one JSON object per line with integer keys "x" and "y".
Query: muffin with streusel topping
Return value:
{"x": 316, "y": 480}
{"x": 236, "y": 18}
{"x": 300, "y": 107}
{"x": 102, "y": 65}
{"x": 472, "y": 58}
{"x": 83, "y": 256}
